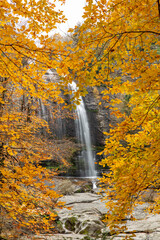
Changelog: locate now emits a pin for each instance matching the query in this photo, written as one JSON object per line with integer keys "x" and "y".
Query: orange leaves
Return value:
{"x": 123, "y": 42}
{"x": 25, "y": 196}
{"x": 116, "y": 49}
{"x": 22, "y": 192}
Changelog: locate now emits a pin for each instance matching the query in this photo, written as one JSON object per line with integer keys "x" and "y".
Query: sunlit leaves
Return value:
{"x": 26, "y": 53}
{"x": 119, "y": 45}
{"x": 117, "y": 48}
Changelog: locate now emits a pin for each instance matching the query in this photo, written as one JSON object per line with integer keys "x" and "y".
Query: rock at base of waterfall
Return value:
{"x": 84, "y": 220}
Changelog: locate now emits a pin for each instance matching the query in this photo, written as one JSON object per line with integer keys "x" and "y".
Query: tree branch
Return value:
{"x": 158, "y": 1}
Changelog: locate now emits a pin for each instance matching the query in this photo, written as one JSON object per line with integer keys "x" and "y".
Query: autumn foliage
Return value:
{"x": 25, "y": 56}
{"x": 123, "y": 36}
{"x": 116, "y": 36}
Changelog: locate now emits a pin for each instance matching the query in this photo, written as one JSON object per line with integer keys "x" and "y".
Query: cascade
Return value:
{"x": 43, "y": 111}
{"x": 86, "y": 158}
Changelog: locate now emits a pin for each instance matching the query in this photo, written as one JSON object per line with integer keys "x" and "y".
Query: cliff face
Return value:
{"x": 63, "y": 126}
{"x": 98, "y": 115}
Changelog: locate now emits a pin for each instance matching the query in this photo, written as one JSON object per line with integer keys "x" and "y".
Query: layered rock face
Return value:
{"x": 98, "y": 117}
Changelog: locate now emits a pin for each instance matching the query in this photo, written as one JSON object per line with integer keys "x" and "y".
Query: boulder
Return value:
{"x": 84, "y": 220}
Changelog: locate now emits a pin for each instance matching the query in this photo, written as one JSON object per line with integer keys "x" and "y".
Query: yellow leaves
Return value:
{"x": 17, "y": 197}
{"x": 24, "y": 194}
{"x": 134, "y": 167}
{"x": 21, "y": 189}
{"x": 115, "y": 48}
{"x": 116, "y": 38}
{"x": 115, "y": 101}
{"x": 2, "y": 89}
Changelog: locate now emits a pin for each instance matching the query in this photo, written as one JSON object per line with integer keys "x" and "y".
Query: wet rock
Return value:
{"x": 66, "y": 187}
{"x": 91, "y": 229}
{"x": 71, "y": 186}
{"x": 72, "y": 224}
{"x": 59, "y": 227}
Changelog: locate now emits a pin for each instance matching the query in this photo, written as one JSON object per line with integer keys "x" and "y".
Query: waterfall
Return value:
{"x": 86, "y": 158}
{"x": 43, "y": 111}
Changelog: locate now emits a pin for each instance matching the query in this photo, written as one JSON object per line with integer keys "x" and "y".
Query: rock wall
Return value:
{"x": 98, "y": 115}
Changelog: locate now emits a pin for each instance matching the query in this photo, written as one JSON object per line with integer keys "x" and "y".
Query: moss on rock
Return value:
{"x": 70, "y": 224}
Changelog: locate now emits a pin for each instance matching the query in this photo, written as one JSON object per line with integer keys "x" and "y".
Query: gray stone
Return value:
{"x": 84, "y": 219}
{"x": 89, "y": 208}
{"x": 154, "y": 236}
{"x": 139, "y": 236}
{"x": 66, "y": 187}
{"x": 140, "y": 211}
{"x": 56, "y": 237}
{"x": 150, "y": 224}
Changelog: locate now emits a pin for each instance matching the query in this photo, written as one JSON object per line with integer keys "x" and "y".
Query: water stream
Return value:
{"x": 87, "y": 157}
{"x": 85, "y": 162}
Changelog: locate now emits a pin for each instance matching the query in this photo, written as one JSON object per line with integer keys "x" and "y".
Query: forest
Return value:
{"x": 115, "y": 36}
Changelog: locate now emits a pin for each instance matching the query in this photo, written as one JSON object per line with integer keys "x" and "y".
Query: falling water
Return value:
{"x": 43, "y": 111}
{"x": 86, "y": 157}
